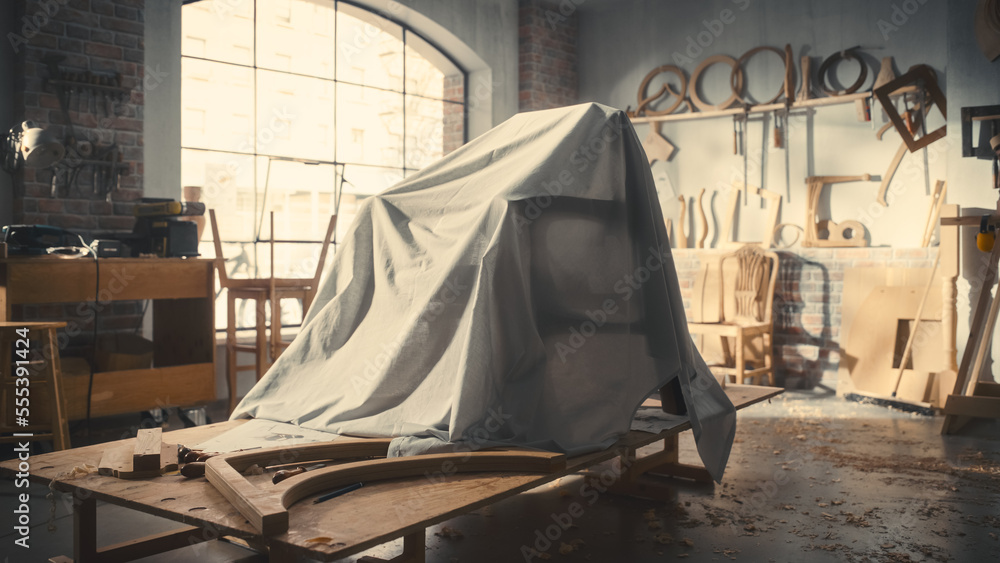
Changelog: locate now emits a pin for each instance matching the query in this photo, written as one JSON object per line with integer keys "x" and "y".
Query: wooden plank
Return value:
{"x": 120, "y": 392}
{"x": 972, "y": 406}
{"x": 762, "y": 108}
{"x": 38, "y": 280}
{"x": 146, "y": 453}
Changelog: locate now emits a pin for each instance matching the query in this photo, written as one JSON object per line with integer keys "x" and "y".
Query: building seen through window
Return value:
{"x": 329, "y": 84}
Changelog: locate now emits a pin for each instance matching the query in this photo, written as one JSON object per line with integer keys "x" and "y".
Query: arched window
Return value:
{"x": 283, "y": 99}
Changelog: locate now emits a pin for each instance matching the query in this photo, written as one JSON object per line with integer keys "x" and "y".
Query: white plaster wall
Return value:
{"x": 162, "y": 89}
{"x": 620, "y": 41}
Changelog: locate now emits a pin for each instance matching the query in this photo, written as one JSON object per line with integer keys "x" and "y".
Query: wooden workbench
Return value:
{"x": 375, "y": 514}
{"x": 183, "y": 294}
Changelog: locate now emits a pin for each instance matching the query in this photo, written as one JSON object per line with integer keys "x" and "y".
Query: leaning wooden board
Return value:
{"x": 366, "y": 518}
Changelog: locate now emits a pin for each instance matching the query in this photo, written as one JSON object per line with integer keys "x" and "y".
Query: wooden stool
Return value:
{"x": 45, "y": 409}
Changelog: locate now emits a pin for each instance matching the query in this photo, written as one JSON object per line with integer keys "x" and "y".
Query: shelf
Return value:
{"x": 135, "y": 390}
{"x": 764, "y": 108}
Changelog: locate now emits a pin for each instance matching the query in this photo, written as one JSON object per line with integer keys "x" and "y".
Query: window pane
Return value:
{"x": 295, "y": 116}
{"x": 424, "y": 131}
{"x": 369, "y": 126}
{"x": 296, "y": 36}
{"x": 220, "y": 30}
{"x": 369, "y": 49}
{"x": 217, "y": 106}
{"x": 226, "y": 181}
{"x": 369, "y": 180}
{"x": 453, "y": 126}
{"x": 429, "y": 73}
{"x": 301, "y": 196}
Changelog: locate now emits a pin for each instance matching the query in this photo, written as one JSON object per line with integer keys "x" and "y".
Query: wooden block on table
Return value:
{"x": 146, "y": 454}
{"x": 117, "y": 462}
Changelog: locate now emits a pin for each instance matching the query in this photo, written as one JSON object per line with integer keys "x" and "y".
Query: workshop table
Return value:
{"x": 183, "y": 294}
{"x": 375, "y": 514}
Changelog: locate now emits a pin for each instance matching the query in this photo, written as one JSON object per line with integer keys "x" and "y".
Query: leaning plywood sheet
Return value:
{"x": 878, "y": 311}
{"x": 520, "y": 292}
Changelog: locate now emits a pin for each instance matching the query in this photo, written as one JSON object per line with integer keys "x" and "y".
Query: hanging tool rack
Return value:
{"x": 101, "y": 165}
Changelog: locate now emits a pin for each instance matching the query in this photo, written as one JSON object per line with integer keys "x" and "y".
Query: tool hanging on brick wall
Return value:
{"x": 103, "y": 164}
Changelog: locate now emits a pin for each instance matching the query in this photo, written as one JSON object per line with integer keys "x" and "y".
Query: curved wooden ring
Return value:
{"x": 693, "y": 90}
{"x": 846, "y": 55}
{"x": 664, "y": 88}
{"x": 739, "y": 66}
{"x": 776, "y": 234}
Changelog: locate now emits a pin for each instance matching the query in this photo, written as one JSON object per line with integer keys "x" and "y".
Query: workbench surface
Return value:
{"x": 377, "y": 513}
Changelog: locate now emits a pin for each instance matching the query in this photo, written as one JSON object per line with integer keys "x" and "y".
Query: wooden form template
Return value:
{"x": 836, "y": 231}
{"x": 266, "y": 508}
{"x": 934, "y": 213}
{"x": 368, "y": 517}
{"x": 682, "y": 231}
{"x": 774, "y": 207}
{"x": 702, "y": 221}
{"x": 919, "y": 73}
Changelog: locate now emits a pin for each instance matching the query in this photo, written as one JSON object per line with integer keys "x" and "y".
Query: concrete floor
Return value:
{"x": 811, "y": 478}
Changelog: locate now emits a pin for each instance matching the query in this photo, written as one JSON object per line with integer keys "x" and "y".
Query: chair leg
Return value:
{"x": 261, "y": 351}
{"x": 275, "y": 327}
{"x": 768, "y": 359}
{"x": 739, "y": 357}
{"x": 231, "y": 349}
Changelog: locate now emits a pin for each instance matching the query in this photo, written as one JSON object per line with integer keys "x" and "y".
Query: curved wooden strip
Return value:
{"x": 682, "y": 240}
{"x": 702, "y": 221}
{"x": 739, "y": 65}
{"x": 296, "y": 488}
{"x": 846, "y": 55}
{"x": 283, "y": 455}
{"x": 693, "y": 89}
{"x": 789, "y": 75}
{"x": 266, "y": 509}
{"x": 887, "y": 177}
{"x": 664, "y": 89}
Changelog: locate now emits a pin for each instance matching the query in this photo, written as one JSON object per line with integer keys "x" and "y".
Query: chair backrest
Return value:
{"x": 753, "y": 286}
{"x": 220, "y": 260}
{"x": 322, "y": 253}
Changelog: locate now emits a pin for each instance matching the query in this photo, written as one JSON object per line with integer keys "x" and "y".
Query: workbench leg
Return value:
{"x": 85, "y": 548}
{"x": 642, "y": 476}
{"x": 85, "y": 530}
{"x": 414, "y": 549}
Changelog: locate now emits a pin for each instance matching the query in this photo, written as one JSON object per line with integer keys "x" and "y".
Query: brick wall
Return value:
{"x": 547, "y": 32}
{"x": 94, "y": 39}
{"x": 807, "y": 302}
{"x": 91, "y": 41}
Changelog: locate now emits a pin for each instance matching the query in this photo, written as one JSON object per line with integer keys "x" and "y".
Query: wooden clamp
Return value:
{"x": 267, "y": 509}
{"x": 837, "y": 231}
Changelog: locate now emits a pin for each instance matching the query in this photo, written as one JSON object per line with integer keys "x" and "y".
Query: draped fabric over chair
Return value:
{"x": 520, "y": 291}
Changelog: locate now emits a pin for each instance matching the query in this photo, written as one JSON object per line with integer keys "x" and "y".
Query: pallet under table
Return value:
{"x": 365, "y": 518}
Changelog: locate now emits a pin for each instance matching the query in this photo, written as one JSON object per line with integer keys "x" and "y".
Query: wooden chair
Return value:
{"x": 44, "y": 405}
{"x": 262, "y": 291}
{"x": 745, "y": 323}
